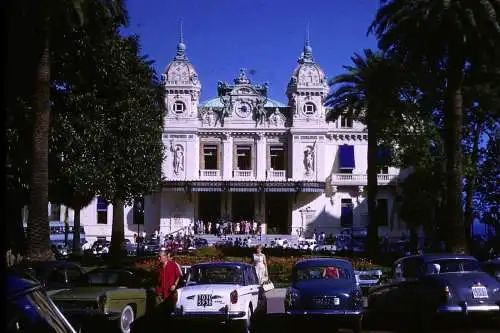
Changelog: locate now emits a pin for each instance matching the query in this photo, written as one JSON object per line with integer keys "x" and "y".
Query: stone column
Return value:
{"x": 227, "y": 156}
{"x": 261, "y": 156}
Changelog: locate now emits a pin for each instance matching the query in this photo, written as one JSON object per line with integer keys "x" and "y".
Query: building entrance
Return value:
{"x": 277, "y": 213}
{"x": 243, "y": 206}
{"x": 209, "y": 206}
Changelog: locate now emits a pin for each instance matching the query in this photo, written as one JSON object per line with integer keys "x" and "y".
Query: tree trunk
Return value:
{"x": 16, "y": 239}
{"x": 471, "y": 187}
{"x": 413, "y": 240}
{"x": 77, "y": 247}
{"x": 372, "y": 232}
{"x": 455, "y": 236}
{"x": 117, "y": 233}
{"x": 38, "y": 226}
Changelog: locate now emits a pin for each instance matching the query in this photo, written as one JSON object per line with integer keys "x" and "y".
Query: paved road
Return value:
{"x": 277, "y": 323}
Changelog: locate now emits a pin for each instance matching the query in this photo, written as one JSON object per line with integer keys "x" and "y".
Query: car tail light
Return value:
{"x": 101, "y": 302}
{"x": 234, "y": 297}
{"x": 447, "y": 293}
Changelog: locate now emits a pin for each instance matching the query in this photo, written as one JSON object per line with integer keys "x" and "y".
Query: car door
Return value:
{"x": 407, "y": 296}
{"x": 252, "y": 285}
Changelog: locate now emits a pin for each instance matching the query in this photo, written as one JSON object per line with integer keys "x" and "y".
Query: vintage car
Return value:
{"x": 326, "y": 288}
{"x": 428, "y": 287}
{"x": 29, "y": 309}
{"x": 492, "y": 267}
{"x": 121, "y": 294}
{"x": 53, "y": 275}
{"x": 227, "y": 292}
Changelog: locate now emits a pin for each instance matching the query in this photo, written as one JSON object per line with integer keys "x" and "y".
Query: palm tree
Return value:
{"x": 368, "y": 92}
{"x": 433, "y": 35}
{"x": 49, "y": 20}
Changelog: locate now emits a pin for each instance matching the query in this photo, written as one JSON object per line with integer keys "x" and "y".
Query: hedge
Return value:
{"x": 280, "y": 268}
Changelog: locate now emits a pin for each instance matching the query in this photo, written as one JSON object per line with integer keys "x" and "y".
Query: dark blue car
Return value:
{"x": 29, "y": 309}
{"x": 326, "y": 288}
{"x": 492, "y": 267}
{"x": 428, "y": 287}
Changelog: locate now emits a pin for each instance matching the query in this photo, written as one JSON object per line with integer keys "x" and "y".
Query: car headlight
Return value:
{"x": 292, "y": 297}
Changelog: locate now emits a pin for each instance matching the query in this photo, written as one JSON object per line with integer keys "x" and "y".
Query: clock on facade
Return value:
{"x": 243, "y": 110}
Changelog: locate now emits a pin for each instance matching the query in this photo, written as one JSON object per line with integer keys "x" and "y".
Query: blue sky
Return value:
{"x": 223, "y": 36}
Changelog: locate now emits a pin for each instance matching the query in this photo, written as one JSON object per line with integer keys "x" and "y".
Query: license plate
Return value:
{"x": 479, "y": 292}
{"x": 204, "y": 300}
{"x": 325, "y": 301}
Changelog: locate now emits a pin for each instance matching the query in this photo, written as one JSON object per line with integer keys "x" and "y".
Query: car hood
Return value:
{"x": 81, "y": 293}
{"x": 324, "y": 287}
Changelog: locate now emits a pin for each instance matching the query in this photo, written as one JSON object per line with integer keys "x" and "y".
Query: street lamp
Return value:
{"x": 302, "y": 211}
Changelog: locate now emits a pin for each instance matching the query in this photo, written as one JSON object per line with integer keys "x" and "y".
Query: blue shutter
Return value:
{"x": 346, "y": 156}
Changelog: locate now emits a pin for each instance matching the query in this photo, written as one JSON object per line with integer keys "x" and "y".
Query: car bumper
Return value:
{"x": 209, "y": 316}
{"x": 325, "y": 312}
{"x": 492, "y": 308}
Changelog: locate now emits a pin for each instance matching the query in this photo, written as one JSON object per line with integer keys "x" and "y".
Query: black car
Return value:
{"x": 29, "y": 309}
{"x": 492, "y": 267}
{"x": 439, "y": 286}
{"x": 53, "y": 275}
{"x": 325, "y": 288}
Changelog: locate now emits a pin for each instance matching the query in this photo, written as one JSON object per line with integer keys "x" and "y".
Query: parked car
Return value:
{"x": 29, "y": 309}
{"x": 53, "y": 275}
{"x": 425, "y": 287}
{"x": 325, "y": 288}
{"x": 226, "y": 292}
{"x": 492, "y": 267}
{"x": 121, "y": 294}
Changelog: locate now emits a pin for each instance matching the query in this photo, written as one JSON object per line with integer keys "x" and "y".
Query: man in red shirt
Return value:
{"x": 168, "y": 279}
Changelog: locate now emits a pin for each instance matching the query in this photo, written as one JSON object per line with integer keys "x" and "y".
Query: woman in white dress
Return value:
{"x": 260, "y": 263}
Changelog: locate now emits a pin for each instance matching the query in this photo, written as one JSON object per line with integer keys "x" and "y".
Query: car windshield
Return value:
{"x": 452, "y": 266}
{"x": 35, "y": 312}
{"x": 322, "y": 272}
{"x": 216, "y": 275}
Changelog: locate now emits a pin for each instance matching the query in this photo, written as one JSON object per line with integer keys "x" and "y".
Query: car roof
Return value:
{"x": 19, "y": 283}
{"x": 50, "y": 264}
{"x": 222, "y": 264}
{"x": 324, "y": 261}
{"x": 437, "y": 256}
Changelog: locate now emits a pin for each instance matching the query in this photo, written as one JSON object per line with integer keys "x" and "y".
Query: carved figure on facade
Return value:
{"x": 260, "y": 111}
{"x": 276, "y": 119}
{"x": 178, "y": 162}
{"x": 309, "y": 159}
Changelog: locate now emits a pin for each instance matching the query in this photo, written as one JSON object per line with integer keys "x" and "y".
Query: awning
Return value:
{"x": 346, "y": 157}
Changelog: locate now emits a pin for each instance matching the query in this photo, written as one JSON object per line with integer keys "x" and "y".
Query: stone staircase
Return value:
{"x": 264, "y": 239}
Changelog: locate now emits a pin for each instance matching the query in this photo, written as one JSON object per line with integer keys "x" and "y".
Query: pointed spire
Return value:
{"x": 181, "y": 47}
{"x": 307, "y": 55}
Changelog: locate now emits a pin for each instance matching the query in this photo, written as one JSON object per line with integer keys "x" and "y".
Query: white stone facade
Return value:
{"x": 243, "y": 156}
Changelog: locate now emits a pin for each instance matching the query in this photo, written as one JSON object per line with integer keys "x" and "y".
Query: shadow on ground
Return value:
{"x": 276, "y": 323}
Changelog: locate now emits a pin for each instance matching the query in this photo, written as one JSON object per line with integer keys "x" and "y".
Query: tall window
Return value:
{"x": 139, "y": 210}
{"x": 55, "y": 212}
{"x": 346, "y": 213}
{"x": 382, "y": 213}
{"x": 210, "y": 157}
{"x": 102, "y": 211}
{"x": 346, "y": 121}
{"x": 277, "y": 154}
{"x": 244, "y": 157}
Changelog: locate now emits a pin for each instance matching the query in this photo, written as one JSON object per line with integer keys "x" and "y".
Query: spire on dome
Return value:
{"x": 306, "y": 55}
{"x": 181, "y": 47}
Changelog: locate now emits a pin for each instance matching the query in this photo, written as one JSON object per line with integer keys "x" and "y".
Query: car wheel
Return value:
{"x": 126, "y": 319}
{"x": 357, "y": 326}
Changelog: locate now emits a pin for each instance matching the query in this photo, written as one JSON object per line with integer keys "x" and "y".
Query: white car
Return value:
{"x": 227, "y": 292}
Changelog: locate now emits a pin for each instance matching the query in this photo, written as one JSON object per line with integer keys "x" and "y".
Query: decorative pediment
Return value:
{"x": 276, "y": 119}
